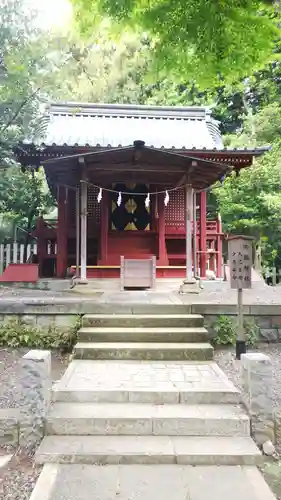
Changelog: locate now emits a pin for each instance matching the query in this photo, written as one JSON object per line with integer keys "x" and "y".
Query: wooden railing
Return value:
{"x": 178, "y": 226}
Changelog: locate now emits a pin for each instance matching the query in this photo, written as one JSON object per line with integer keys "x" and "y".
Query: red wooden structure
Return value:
{"x": 132, "y": 150}
{"x": 104, "y": 255}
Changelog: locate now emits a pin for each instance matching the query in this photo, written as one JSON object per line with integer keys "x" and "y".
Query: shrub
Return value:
{"x": 251, "y": 332}
{"x": 16, "y": 333}
{"x": 225, "y": 329}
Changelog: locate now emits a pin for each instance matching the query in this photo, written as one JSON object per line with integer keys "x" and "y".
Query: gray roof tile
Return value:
{"x": 108, "y": 125}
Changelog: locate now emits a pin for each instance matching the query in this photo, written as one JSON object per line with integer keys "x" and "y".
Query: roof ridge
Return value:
{"x": 76, "y": 108}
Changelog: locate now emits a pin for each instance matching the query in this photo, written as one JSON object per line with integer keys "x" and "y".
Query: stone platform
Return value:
{"x": 262, "y": 305}
{"x": 166, "y": 292}
{"x": 144, "y": 381}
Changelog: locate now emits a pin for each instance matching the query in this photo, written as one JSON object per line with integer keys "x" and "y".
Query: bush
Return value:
{"x": 225, "y": 329}
{"x": 16, "y": 333}
{"x": 251, "y": 332}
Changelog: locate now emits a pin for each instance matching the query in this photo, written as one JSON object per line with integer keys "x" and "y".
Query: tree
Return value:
{"x": 100, "y": 70}
{"x": 251, "y": 203}
{"x": 24, "y": 196}
{"x": 26, "y": 70}
{"x": 29, "y": 60}
{"x": 208, "y": 40}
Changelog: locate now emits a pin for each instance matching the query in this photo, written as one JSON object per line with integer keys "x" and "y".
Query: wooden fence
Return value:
{"x": 13, "y": 253}
{"x": 272, "y": 276}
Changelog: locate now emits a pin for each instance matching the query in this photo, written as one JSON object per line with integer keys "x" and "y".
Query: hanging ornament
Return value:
{"x": 147, "y": 200}
{"x": 167, "y": 197}
{"x": 119, "y": 200}
{"x": 99, "y": 198}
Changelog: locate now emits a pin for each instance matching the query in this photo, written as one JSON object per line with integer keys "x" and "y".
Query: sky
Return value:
{"x": 52, "y": 13}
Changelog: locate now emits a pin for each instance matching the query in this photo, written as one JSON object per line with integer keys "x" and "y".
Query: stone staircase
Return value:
{"x": 143, "y": 389}
{"x": 143, "y": 337}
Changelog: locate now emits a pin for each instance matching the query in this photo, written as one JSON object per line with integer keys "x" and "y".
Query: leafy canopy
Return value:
{"x": 203, "y": 40}
{"x": 24, "y": 196}
{"x": 251, "y": 203}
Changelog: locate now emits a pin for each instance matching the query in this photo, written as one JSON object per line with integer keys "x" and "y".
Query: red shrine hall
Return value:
{"x": 131, "y": 181}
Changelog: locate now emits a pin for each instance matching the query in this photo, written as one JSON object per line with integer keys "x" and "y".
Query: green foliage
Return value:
{"x": 251, "y": 332}
{"x": 251, "y": 203}
{"x": 208, "y": 40}
{"x": 225, "y": 331}
{"x": 21, "y": 66}
{"x": 225, "y": 328}
{"x": 24, "y": 196}
{"x": 101, "y": 70}
{"x": 16, "y": 334}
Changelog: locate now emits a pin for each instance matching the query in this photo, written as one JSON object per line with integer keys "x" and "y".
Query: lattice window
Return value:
{"x": 93, "y": 205}
{"x": 174, "y": 211}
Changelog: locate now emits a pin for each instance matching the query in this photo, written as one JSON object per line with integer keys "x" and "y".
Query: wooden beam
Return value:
{"x": 134, "y": 168}
{"x": 127, "y": 178}
{"x": 182, "y": 181}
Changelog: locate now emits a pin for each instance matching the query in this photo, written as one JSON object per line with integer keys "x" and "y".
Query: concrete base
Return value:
{"x": 190, "y": 286}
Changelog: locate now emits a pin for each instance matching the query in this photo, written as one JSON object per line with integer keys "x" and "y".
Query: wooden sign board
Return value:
{"x": 240, "y": 253}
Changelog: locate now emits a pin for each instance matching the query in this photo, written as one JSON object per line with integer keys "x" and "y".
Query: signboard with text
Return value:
{"x": 240, "y": 254}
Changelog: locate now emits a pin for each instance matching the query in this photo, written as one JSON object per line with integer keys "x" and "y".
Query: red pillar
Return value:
{"x": 162, "y": 251}
{"x": 62, "y": 232}
{"x": 203, "y": 234}
{"x": 104, "y": 227}
{"x": 219, "y": 247}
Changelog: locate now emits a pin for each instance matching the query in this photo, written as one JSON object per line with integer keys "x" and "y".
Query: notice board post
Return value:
{"x": 240, "y": 253}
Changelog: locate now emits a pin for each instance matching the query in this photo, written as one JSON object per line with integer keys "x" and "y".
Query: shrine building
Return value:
{"x": 131, "y": 181}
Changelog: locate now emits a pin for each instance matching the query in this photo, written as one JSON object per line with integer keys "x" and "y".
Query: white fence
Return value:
{"x": 14, "y": 254}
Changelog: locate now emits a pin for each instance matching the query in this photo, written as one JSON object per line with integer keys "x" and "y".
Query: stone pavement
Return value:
{"x": 214, "y": 292}
{"x": 147, "y": 482}
{"x": 143, "y": 381}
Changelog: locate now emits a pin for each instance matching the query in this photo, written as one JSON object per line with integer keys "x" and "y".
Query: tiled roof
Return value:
{"x": 113, "y": 125}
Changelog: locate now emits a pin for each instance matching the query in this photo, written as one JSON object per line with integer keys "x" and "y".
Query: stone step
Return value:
{"x": 109, "y": 450}
{"x": 144, "y": 351}
{"x": 147, "y": 419}
{"x": 148, "y": 395}
{"x": 143, "y": 320}
{"x": 142, "y": 334}
{"x": 147, "y": 482}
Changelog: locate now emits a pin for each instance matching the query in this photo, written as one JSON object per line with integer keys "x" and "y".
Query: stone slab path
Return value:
{"x": 147, "y": 482}
{"x": 144, "y": 381}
